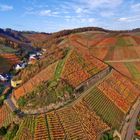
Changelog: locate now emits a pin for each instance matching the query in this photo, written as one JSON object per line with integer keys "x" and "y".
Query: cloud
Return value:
{"x": 48, "y": 13}
{"x": 106, "y": 13}
{"x": 39, "y": 12}
{"x": 91, "y": 8}
{"x": 79, "y": 10}
{"x": 77, "y": 19}
{"x": 91, "y": 20}
{"x": 102, "y": 3}
{"x": 45, "y": 13}
{"x": 129, "y": 19}
{"x": 135, "y": 7}
{"x": 4, "y": 7}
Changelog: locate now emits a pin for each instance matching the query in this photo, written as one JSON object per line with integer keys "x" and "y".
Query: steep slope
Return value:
{"x": 119, "y": 49}
{"x": 66, "y": 74}
{"x": 72, "y": 93}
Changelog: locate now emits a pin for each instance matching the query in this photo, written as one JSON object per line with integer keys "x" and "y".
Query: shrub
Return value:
{"x": 3, "y": 131}
{"x": 11, "y": 134}
{"x": 2, "y": 98}
{"x": 22, "y": 102}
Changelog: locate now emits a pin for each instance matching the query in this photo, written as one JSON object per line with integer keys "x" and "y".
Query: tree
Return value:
{"x": 3, "y": 131}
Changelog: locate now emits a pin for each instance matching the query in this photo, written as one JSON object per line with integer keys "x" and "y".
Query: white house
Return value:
{"x": 39, "y": 54}
{"x": 3, "y": 78}
{"x": 33, "y": 56}
{"x": 20, "y": 66}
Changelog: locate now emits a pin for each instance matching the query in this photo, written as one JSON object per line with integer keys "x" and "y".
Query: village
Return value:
{"x": 6, "y": 79}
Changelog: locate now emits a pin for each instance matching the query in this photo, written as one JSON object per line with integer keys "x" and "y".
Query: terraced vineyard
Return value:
{"x": 62, "y": 124}
{"x": 122, "y": 93}
{"x": 71, "y": 124}
{"x": 111, "y": 48}
{"x": 80, "y": 68}
{"x": 72, "y": 93}
{"x": 41, "y": 130}
{"x": 6, "y": 116}
{"x": 26, "y": 129}
{"x": 32, "y": 70}
{"x": 105, "y": 108}
{"x": 56, "y": 128}
{"x": 44, "y": 75}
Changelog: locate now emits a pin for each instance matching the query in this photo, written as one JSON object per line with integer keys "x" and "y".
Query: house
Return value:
{"x": 32, "y": 61}
{"x": 32, "y": 56}
{"x": 20, "y": 66}
{"x": 38, "y": 53}
{"x": 44, "y": 50}
{"x": 15, "y": 83}
{"x": 4, "y": 77}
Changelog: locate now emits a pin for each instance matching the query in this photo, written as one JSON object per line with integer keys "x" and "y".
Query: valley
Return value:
{"x": 74, "y": 84}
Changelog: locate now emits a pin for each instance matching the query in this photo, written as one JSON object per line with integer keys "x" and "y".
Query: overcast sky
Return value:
{"x": 54, "y": 15}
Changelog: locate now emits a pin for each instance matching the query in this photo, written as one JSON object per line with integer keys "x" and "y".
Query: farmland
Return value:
{"x": 63, "y": 124}
{"x": 6, "y": 116}
{"x": 84, "y": 86}
{"x": 99, "y": 109}
{"x": 63, "y": 76}
{"x": 115, "y": 49}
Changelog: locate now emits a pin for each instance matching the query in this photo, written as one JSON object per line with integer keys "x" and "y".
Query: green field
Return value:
{"x": 106, "y": 109}
{"x": 6, "y": 49}
{"x": 59, "y": 69}
{"x": 133, "y": 71}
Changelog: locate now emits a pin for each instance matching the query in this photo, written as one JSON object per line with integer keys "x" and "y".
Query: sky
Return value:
{"x": 55, "y": 15}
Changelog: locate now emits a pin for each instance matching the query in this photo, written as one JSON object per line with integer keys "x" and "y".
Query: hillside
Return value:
{"x": 85, "y": 85}
{"x": 120, "y": 50}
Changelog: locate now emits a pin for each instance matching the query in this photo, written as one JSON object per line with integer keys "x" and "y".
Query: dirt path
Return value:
{"x": 127, "y": 60}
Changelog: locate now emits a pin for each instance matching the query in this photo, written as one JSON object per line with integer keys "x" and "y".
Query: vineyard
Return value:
{"x": 54, "y": 125}
{"x": 76, "y": 67}
{"x": 119, "y": 90}
{"x": 80, "y": 66}
{"x": 42, "y": 76}
{"x": 6, "y": 116}
{"x": 111, "y": 48}
{"x": 72, "y": 92}
{"x": 67, "y": 123}
{"x": 51, "y": 56}
{"x": 41, "y": 129}
{"x": 104, "y": 107}
{"x": 26, "y": 129}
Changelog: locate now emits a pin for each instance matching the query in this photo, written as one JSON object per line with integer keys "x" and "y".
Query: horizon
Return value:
{"x": 53, "y": 16}
{"x": 68, "y": 29}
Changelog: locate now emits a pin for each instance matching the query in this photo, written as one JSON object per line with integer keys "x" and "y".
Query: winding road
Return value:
{"x": 130, "y": 122}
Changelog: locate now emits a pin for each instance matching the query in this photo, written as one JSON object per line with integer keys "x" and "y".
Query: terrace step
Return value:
{"x": 10, "y": 105}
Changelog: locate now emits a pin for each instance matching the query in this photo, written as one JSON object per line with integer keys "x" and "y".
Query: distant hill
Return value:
{"x": 15, "y": 40}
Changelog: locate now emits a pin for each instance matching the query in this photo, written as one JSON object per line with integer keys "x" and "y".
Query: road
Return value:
{"x": 123, "y": 61}
{"x": 129, "y": 127}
